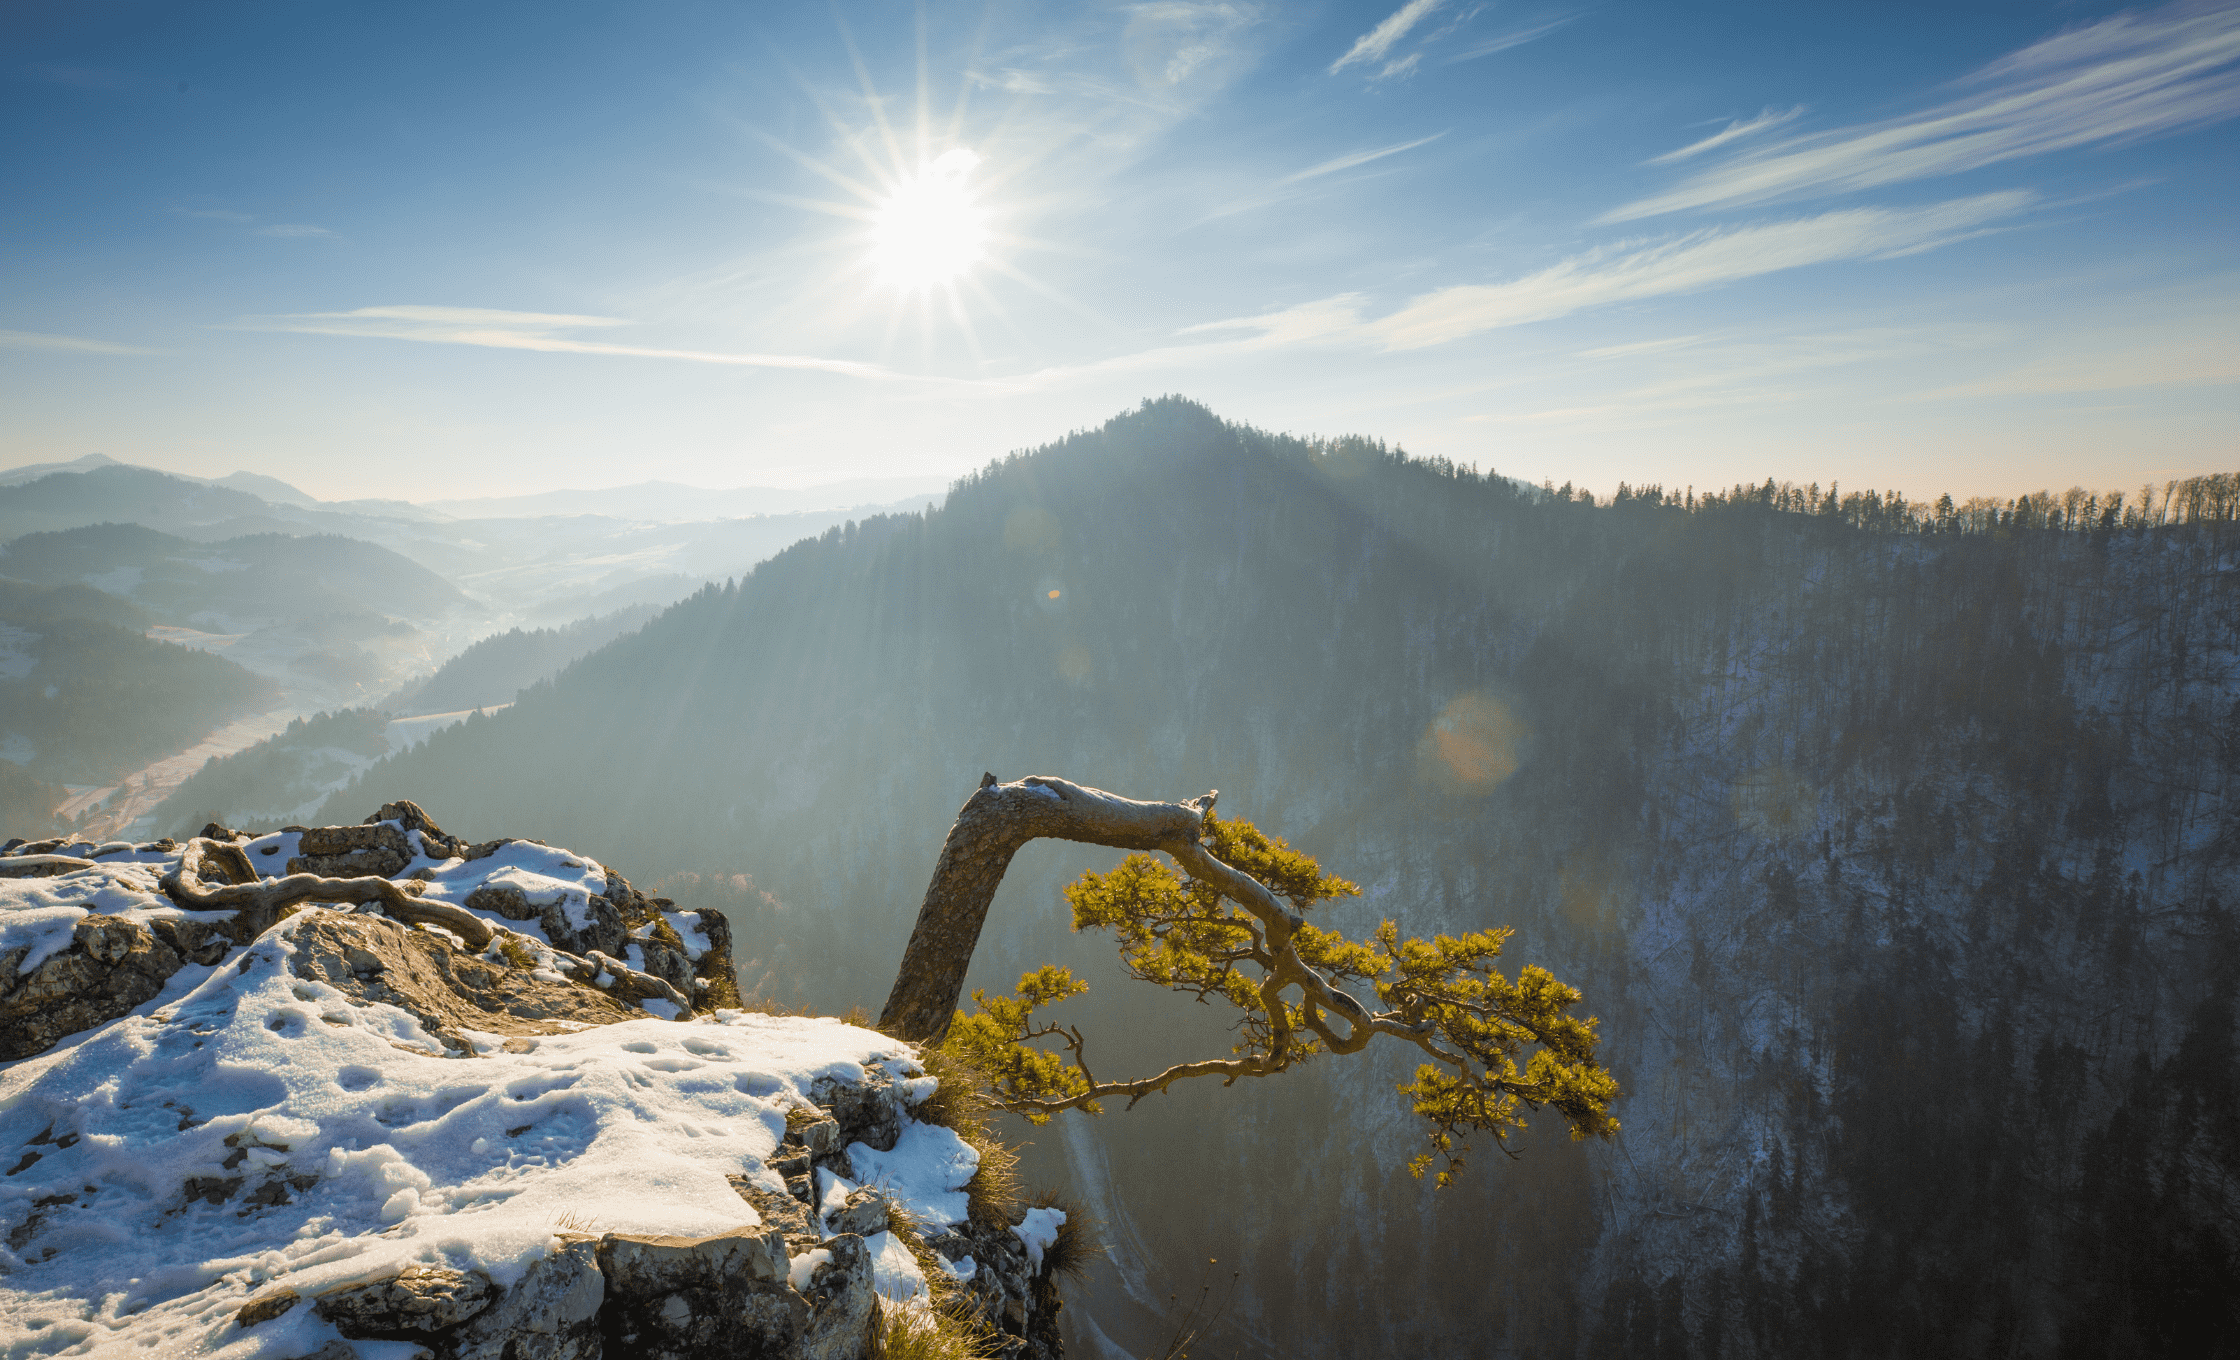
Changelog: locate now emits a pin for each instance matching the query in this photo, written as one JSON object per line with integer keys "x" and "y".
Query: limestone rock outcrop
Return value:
{"x": 373, "y": 959}
{"x": 89, "y": 932}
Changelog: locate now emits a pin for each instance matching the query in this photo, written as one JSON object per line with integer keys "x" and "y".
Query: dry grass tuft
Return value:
{"x": 961, "y": 1102}
{"x": 569, "y": 1220}
{"x": 764, "y": 1005}
{"x": 960, "y": 1099}
{"x": 1080, "y": 1238}
{"x": 993, "y": 1195}
{"x": 942, "y": 1332}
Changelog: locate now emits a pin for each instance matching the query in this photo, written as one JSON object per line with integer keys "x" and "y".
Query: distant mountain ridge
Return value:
{"x": 675, "y": 502}
{"x": 253, "y": 577}
{"x": 269, "y": 489}
{"x": 553, "y": 567}
{"x": 654, "y": 501}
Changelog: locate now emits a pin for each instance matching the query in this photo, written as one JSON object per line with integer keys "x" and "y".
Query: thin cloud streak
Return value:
{"x": 1630, "y": 273}
{"x": 1374, "y": 44}
{"x": 1733, "y": 131}
{"x": 1328, "y": 319}
{"x": 1637, "y": 348}
{"x": 2118, "y": 80}
{"x": 1352, "y": 159}
{"x": 64, "y": 344}
{"x": 1507, "y": 40}
{"x": 1689, "y": 264}
{"x": 485, "y": 328}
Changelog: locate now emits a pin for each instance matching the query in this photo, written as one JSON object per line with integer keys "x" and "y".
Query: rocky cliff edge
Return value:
{"x": 490, "y": 1103}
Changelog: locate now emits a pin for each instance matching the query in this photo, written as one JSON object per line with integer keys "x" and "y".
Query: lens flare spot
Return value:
{"x": 1054, "y": 594}
{"x": 1473, "y": 745}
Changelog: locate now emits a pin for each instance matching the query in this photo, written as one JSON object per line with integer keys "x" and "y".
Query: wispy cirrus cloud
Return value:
{"x": 1732, "y": 132}
{"x": 546, "y": 332}
{"x": 64, "y": 344}
{"x": 1691, "y": 263}
{"x": 2121, "y": 79}
{"x": 284, "y": 230}
{"x": 1354, "y": 158}
{"x": 1634, "y": 271}
{"x": 1373, "y": 46}
{"x": 1503, "y": 42}
{"x": 1678, "y": 379}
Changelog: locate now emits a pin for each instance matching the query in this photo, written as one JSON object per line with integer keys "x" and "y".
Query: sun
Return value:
{"x": 930, "y": 229}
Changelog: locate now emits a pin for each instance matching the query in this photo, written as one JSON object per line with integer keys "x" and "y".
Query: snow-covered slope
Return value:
{"x": 253, "y": 1131}
{"x": 346, "y": 1136}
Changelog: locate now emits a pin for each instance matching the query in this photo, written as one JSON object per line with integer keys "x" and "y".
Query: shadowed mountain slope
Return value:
{"x": 257, "y": 576}
{"x": 492, "y": 671}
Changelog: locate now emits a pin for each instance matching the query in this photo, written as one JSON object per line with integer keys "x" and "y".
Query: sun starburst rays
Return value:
{"x": 930, "y": 213}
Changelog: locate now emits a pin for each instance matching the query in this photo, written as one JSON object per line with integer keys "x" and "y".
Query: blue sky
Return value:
{"x": 444, "y": 250}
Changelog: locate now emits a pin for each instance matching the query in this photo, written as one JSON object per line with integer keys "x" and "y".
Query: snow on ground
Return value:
{"x": 1038, "y": 1230}
{"x": 16, "y": 657}
{"x": 358, "y": 1150}
{"x": 41, "y": 913}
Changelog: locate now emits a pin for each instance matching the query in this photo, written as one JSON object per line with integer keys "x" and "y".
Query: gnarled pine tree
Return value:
{"x": 1232, "y": 926}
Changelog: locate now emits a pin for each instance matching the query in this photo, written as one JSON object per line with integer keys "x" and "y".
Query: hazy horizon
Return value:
{"x": 1971, "y": 252}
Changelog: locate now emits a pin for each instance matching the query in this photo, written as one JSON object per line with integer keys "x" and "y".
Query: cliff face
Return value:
{"x": 527, "y": 1121}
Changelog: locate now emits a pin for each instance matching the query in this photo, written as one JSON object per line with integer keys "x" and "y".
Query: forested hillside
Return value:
{"x": 85, "y": 697}
{"x": 280, "y": 778}
{"x": 492, "y": 671}
{"x": 1894, "y": 845}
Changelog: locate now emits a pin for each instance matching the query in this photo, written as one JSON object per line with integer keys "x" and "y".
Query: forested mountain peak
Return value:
{"x": 1885, "y": 839}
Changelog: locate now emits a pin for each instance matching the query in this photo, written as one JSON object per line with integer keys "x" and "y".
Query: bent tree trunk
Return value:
{"x": 994, "y": 822}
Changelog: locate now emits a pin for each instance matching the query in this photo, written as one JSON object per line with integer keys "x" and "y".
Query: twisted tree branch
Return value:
{"x": 991, "y": 826}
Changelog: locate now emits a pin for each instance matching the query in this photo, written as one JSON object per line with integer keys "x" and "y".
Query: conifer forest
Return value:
{"x": 1893, "y": 844}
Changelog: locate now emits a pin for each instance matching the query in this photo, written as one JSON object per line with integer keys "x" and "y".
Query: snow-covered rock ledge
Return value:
{"x": 346, "y": 1135}
{"x": 89, "y": 932}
